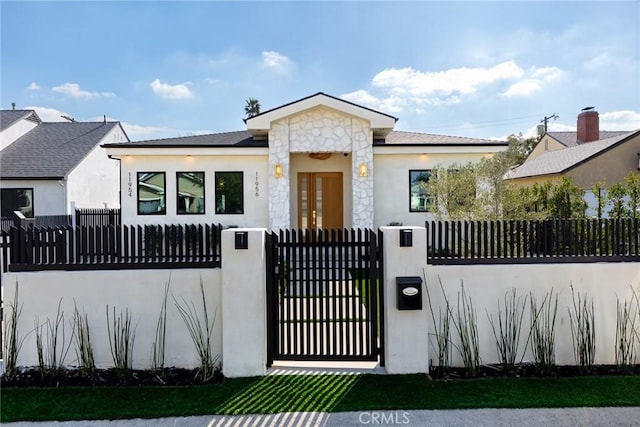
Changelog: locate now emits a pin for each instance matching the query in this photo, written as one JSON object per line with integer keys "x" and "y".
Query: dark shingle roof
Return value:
{"x": 240, "y": 138}
{"x": 570, "y": 139}
{"x": 9, "y": 117}
{"x": 244, "y": 138}
{"x": 51, "y": 150}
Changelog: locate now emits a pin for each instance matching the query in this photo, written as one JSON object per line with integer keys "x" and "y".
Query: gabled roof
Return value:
{"x": 9, "y": 117}
{"x": 381, "y": 123}
{"x": 400, "y": 138}
{"x": 559, "y": 161}
{"x": 570, "y": 139}
{"x": 240, "y": 138}
{"x": 51, "y": 150}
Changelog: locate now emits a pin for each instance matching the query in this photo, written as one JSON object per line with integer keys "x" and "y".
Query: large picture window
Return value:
{"x": 151, "y": 193}
{"x": 419, "y": 198}
{"x": 190, "y": 192}
{"x": 16, "y": 199}
{"x": 229, "y": 193}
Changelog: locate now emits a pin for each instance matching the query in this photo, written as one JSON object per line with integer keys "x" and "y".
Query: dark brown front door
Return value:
{"x": 320, "y": 200}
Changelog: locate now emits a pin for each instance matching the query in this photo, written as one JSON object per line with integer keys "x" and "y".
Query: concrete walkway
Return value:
{"x": 596, "y": 417}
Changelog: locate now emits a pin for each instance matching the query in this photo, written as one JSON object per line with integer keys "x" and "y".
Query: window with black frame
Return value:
{"x": 16, "y": 199}
{"x": 190, "y": 192}
{"x": 151, "y": 193}
{"x": 419, "y": 198}
{"x": 229, "y": 193}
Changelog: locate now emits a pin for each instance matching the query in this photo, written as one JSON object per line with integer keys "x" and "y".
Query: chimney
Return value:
{"x": 588, "y": 125}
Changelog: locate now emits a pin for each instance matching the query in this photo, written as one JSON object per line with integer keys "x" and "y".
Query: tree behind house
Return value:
{"x": 252, "y": 107}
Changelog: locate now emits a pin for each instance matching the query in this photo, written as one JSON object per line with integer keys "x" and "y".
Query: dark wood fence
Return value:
{"x": 97, "y": 217}
{"x": 501, "y": 242}
{"x": 111, "y": 247}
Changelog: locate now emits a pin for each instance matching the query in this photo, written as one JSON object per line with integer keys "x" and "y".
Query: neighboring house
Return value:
{"x": 318, "y": 162}
{"x": 47, "y": 168}
{"x": 587, "y": 156}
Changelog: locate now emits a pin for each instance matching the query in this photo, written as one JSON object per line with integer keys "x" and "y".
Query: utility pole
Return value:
{"x": 546, "y": 120}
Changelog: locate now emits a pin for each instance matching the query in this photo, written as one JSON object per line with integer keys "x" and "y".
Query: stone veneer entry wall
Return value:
{"x": 321, "y": 130}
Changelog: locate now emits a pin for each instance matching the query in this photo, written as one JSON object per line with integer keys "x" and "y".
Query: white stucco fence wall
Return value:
{"x": 139, "y": 291}
{"x": 486, "y": 285}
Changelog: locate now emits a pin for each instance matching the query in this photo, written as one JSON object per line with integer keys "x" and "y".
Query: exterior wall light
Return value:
{"x": 277, "y": 171}
{"x": 363, "y": 170}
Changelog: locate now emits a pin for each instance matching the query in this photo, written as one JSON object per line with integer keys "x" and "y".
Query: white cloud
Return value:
{"x": 523, "y": 88}
{"x": 620, "y": 120}
{"x": 49, "y": 114}
{"x": 533, "y": 81}
{"x": 601, "y": 61}
{"x": 73, "y": 90}
{"x": 389, "y": 105}
{"x": 167, "y": 91}
{"x": 277, "y": 62}
{"x": 136, "y": 131}
{"x": 33, "y": 86}
{"x": 449, "y": 82}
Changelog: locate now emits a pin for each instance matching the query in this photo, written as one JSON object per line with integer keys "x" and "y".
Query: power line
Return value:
{"x": 479, "y": 124}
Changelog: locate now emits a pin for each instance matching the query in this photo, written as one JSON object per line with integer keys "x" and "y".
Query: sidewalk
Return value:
{"x": 596, "y": 417}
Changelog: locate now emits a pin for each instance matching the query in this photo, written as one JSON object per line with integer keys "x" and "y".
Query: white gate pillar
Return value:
{"x": 244, "y": 342}
{"x": 405, "y": 331}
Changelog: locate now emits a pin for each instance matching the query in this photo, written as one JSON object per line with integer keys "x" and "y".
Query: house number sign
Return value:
{"x": 257, "y": 186}
{"x": 130, "y": 186}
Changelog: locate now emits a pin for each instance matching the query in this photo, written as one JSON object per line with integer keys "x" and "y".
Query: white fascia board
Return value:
{"x": 432, "y": 149}
{"x": 263, "y": 122}
{"x": 187, "y": 151}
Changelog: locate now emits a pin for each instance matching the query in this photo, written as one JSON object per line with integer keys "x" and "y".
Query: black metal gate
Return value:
{"x": 324, "y": 295}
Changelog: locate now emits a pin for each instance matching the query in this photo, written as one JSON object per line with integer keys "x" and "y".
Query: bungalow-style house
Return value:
{"x": 318, "y": 162}
{"x": 47, "y": 168}
{"x": 586, "y": 156}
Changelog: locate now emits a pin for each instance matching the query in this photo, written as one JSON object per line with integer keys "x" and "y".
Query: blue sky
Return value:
{"x": 478, "y": 69}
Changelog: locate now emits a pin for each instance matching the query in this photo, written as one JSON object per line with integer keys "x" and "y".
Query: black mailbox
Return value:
{"x": 242, "y": 240}
{"x": 406, "y": 238}
{"x": 409, "y": 293}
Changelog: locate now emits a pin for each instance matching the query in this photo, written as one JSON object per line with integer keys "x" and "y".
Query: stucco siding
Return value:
{"x": 545, "y": 144}
{"x": 138, "y": 291}
{"x": 488, "y": 285}
{"x": 612, "y": 165}
{"x": 391, "y": 183}
{"x": 49, "y": 197}
{"x": 255, "y": 189}
{"x": 95, "y": 181}
{"x": 15, "y": 131}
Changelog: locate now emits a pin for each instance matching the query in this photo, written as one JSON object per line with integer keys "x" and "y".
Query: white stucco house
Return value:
{"x": 47, "y": 168}
{"x": 318, "y": 162}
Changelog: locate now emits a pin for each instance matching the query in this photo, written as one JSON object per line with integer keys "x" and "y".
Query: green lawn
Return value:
{"x": 315, "y": 393}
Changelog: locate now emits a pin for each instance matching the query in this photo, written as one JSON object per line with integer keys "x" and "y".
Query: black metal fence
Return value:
{"x": 324, "y": 297}
{"x": 111, "y": 247}
{"x": 501, "y": 242}
{"x": 38, "y": 221}
{"x": 97, "y": 217}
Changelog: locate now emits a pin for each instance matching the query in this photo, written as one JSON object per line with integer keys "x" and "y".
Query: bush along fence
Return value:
{"x": 533, "y": 241}
{"x": 109, "y": 247}
{"x": 528, "y": 326}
